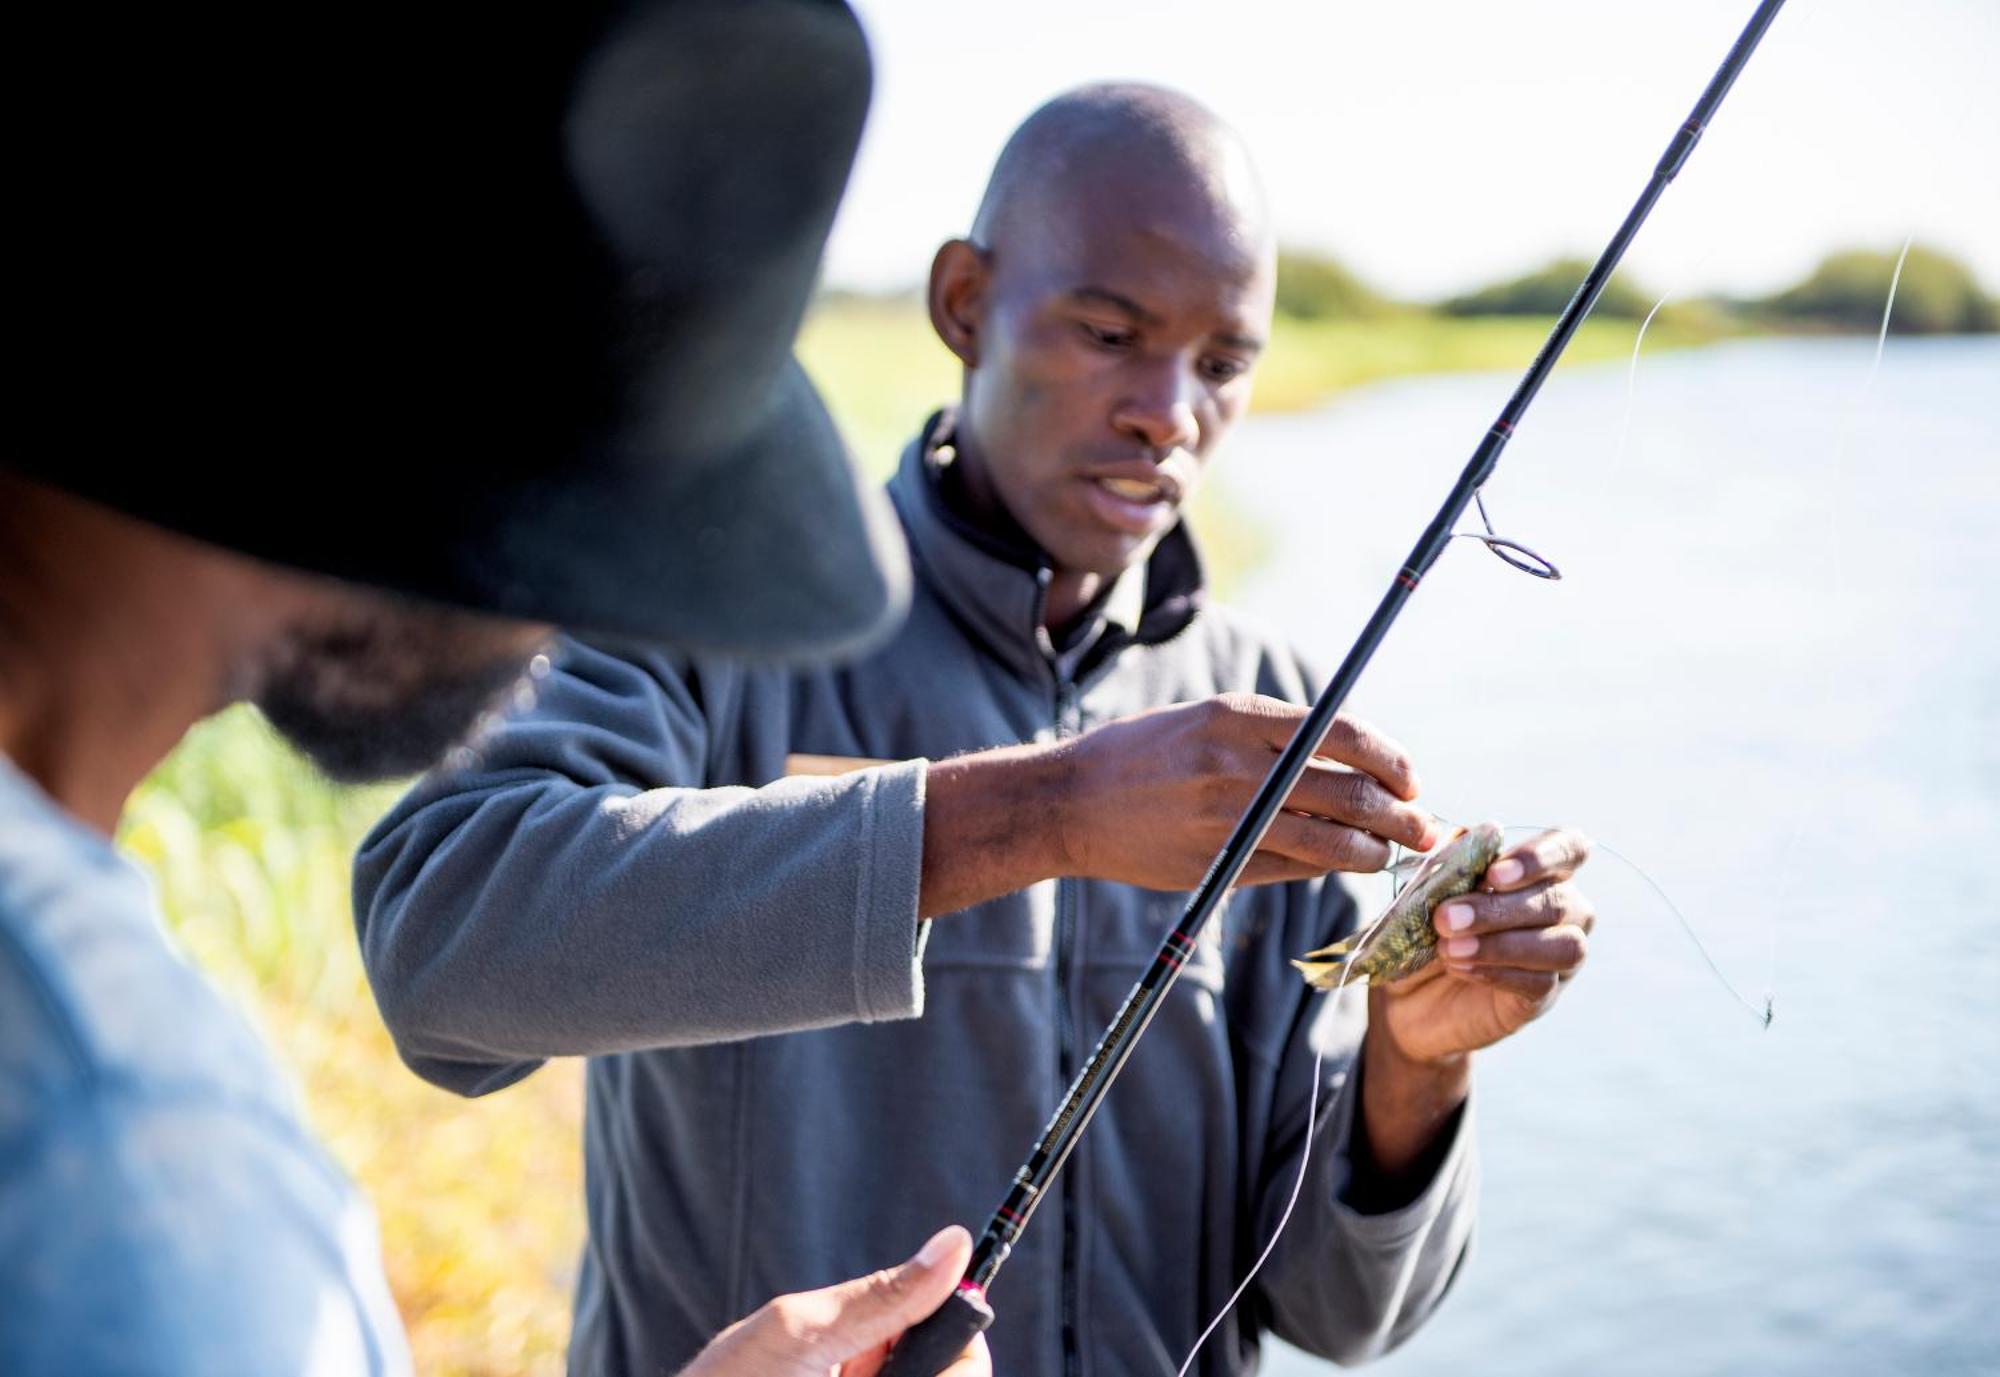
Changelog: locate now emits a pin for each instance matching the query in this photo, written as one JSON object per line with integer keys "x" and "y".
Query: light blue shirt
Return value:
{"x": 162, "y": 1208}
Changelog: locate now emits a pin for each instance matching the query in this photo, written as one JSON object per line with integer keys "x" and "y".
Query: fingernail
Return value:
{"x": 1458, "y": 917}
{"x": 1505, "y": 872}
{"x": 1461, "y": 947}
{"x": 934, "y": 1252}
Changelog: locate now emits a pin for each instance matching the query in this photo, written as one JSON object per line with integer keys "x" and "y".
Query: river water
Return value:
{"x": 1771, "y": 678}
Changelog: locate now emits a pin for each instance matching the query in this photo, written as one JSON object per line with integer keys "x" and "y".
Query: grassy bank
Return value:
{"x": 1312, "y": 362}
{"x": 480, "y": 1201}
{"x": 883, "y": 370}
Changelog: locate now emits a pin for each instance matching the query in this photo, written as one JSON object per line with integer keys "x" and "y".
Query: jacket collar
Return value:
{"x": 995, "y": 583}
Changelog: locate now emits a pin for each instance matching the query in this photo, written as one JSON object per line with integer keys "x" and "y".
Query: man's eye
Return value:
{"x": 1107, "y": 336}
{"x": 1222, "y": 370}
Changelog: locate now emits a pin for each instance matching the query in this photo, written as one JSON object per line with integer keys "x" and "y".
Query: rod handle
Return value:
{"x": 930, "y": 1346}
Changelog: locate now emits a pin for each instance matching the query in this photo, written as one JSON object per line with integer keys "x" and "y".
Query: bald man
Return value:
{"x": 670, "y": 856}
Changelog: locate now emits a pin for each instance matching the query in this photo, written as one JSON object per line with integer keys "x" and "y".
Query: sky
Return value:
{"x": 1438, "y": 146}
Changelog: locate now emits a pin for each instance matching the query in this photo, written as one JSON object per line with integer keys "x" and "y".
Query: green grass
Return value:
{"x": 1311, "y": 362}
{"x": 882, "y": 370}
{"x": 479, "y": 1200}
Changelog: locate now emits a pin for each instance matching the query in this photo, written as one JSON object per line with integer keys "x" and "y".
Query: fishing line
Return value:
{"x": 929, "y": 1346}
{"x": 1762, "y": 1013}
{"x": 1398, "y": 870}
{"x": 1842, "y": 448}
{"x": 1882, "y": 335}
{"x": 1298, "y": 1184}
{"x": 1400, "y": 866}
{"x": 1617, "y": 464}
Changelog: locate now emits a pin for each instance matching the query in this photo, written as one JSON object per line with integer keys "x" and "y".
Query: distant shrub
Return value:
{"x": 1312, "y": 286}
{"x": 1545, "y": 291}
{"x": 1937, "y": 294}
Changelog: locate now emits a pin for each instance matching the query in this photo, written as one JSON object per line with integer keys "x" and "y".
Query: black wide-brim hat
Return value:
{"x": 496, "y": 311}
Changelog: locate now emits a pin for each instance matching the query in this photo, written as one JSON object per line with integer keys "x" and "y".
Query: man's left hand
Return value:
{"x": 1505, "y": 952}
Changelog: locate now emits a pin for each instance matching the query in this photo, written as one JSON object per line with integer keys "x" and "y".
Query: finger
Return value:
{"x": 1546, "y": 905}
{"x": 1536, "y": 990}
{"x": 1557, "y": 950}
{"x": 1553, "y": 855}
{"x": 1270, "y": 869}
{"x": 867, "y": 1364}
{"x": 1349, "y": 741}
{"x": 1354, "y": 742}
{"x": 855, "y": 1317}
{"x": 1274, "y": 870}
{"x": 1359, "y": 800}
{"x": 974, "y": 1362}
{"x": 1319, "y": 845}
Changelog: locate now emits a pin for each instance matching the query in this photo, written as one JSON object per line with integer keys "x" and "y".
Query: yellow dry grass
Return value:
{"x": 480, "y": 1201}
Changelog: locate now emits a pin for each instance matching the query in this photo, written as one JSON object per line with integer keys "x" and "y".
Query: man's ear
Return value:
{"x": 959, "y": 275}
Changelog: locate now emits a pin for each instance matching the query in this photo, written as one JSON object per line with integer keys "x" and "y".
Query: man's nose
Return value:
{"x": 1157, "y": 406}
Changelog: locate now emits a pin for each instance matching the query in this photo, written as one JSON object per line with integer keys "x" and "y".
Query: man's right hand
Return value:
{"x": 1148, "y": 800}
{"x": 1156, "y": 795}
{"x": 846, "y": 1329}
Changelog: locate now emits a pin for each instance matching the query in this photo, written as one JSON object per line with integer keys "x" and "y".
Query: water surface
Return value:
{"x": 1771, "y": 676}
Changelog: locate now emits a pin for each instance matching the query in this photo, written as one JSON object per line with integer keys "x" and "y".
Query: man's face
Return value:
{"x": 1115, "y": 352}
{"x": 371, "y": 686}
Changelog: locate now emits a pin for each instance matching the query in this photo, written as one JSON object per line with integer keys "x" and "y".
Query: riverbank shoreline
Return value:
{"x": 882, "y": 369}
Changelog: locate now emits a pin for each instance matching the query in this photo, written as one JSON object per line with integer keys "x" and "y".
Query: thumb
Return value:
{"x": 858, "y": 1315}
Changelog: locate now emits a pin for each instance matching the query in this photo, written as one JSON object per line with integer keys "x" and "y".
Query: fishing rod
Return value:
{"x": 931, "y": 1345}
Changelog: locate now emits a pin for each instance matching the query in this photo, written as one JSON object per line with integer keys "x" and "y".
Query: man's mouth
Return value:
{"x": 1133, "y": 490}
{"x": 1137, "y": 506}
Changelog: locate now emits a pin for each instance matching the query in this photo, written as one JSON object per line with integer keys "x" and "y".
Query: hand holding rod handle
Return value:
{"x": 929, "y": 1346}
{"x": 1052, "y": 1149}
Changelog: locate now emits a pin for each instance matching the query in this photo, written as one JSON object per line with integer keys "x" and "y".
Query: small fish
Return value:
{"x": 1403, "y": 940}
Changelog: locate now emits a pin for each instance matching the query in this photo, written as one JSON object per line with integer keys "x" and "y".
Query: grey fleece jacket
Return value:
{"x": 793, "y": 1081}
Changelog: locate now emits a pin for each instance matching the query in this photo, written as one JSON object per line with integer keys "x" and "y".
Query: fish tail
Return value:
{"x": 1322, "y": 974}
{"x": 1341, "y": 950}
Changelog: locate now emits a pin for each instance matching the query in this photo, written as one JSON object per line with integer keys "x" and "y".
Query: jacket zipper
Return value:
{"x": 1068, "y": 724}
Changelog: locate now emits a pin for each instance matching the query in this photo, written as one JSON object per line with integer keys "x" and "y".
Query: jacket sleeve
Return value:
{"x": 1341, "y": 1284}
{"x": 570, "y": 893}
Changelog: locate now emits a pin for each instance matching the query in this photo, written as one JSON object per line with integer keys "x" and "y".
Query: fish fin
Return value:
{"x": 1341, "y": 950}
{"x": 1321, "y": 974}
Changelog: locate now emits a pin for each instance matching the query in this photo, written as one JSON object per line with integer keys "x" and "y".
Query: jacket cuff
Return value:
{"x": 1452, "y": 1189}
{"x": 888, "y": 939}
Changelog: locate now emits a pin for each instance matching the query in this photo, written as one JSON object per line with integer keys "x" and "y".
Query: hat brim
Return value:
{"x": 776, "y": 550}
{"x": 770, "y": 548}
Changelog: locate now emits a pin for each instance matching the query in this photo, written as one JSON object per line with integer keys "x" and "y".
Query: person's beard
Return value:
{"x": 385, "y": 686}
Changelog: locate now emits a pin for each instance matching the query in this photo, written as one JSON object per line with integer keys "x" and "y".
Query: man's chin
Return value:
{"x": 360, "y": 744}
{"x": 383, "y": 687}
{"x": 1106, "y": 554}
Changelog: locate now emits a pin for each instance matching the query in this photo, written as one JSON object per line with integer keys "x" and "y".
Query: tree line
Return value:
{"x": 1937, "y": 294}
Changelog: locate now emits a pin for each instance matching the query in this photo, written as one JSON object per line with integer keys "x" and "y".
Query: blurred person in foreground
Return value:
{"x": 672, "y": 854}
{"x": 377, "y": 580}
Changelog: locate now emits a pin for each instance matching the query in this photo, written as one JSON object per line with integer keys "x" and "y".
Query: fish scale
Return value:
{"x": 1404, "y": 940}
